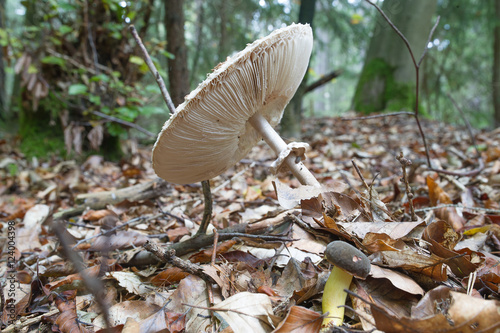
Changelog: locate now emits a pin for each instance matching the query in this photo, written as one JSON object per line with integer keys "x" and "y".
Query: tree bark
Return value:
{"x": 387, "y": 81}
{"x": 496, "y": 65}
{"x": 292, "y": 117}
{"x": 178, "y": 75}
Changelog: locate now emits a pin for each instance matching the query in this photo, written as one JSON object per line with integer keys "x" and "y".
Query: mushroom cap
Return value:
{"x": 348, "y": 258}
{"x": 209, "y": 132}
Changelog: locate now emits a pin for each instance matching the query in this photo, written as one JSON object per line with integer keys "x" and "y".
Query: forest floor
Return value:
{"x": 77, "y": 259}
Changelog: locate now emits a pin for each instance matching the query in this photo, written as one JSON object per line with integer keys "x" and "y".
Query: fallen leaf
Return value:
{"x": 300, "y": 320}
{"x": 443, "y": 310}
{"x": 247, "y": 312}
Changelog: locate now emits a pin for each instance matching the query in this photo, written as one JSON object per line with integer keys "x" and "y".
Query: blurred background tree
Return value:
{"x": 75, "y": 81}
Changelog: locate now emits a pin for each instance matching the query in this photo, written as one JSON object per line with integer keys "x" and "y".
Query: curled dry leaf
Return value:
{"x": 442, "y": 239}
{"x": 443, "y": 310}
{"x": 169, "y": 276}
{"x": 300, "y": 320}
{"x": 375, "y": 242}
{"x": 95, "y": 215}
{"x": 74, "y": 279}
{"x": 67, "y": 319}
{"x": 430, "y": 265}
{"x": 247, "y": 312}
{"x": 206, "y": 255}
{"x": 439, "y": 197}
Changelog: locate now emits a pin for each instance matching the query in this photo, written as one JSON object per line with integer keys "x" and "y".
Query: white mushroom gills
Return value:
{"x": 299, "y": 170}
{"x": 210, "y": 132}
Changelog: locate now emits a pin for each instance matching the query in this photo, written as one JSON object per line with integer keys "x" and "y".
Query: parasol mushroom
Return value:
{"x": 235, "y": 107}
{"x": 348, "y": 261}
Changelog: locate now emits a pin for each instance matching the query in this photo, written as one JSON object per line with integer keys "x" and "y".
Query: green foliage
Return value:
{"x": 81, "y": 52}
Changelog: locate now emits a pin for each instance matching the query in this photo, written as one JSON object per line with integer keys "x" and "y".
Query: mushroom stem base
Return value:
{"x": 334, "y": 297}
{"x": 273, "y": 139}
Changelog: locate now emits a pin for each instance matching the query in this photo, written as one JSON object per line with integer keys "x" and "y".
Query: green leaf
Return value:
{"x": 32, "y": 69}
{"x": 64, "y": 29}
{"x": 150, "y": 110}
{"x": 77, "y": 89}
{"x": 136, "y": 60}
{"x": 168, "y": 55}
{"x": 95, "y": 99}
{"x": 54, "y": 61}
{"x": 100, "y": 78}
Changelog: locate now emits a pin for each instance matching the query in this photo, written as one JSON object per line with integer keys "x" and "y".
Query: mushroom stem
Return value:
{"x": 273, "y": 139}
{"x": 334, "y": 296}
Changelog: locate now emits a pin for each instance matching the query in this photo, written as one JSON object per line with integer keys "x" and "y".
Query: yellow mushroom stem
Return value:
{"x": 334, "y": 297}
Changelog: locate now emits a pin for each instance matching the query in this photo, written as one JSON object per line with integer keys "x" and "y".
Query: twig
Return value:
{"x": 360, "y": 175}
{"x": 239, "y": 230}
{"x": 78, "y": 65}
{"x": 429, "y": 40}
{"x": 152, "y": 68}
{"x": 496, "y": 211}
{"x": 417, "y": 67}
{"x": 124, "y": 122}
{"x": 321, "y": 81}
{"x": 28, "y": 322}
{"x": 168, "y": 256}
{"x": 404, "y": 163}
{"x": 214, "y": 252}
{"x": 93, "y": 284}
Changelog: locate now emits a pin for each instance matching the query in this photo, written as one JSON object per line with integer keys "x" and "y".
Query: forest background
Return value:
{"x": 72, "y": 78}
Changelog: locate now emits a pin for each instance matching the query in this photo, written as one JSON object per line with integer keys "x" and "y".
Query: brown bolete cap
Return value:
{"x": 210, "y": 132}
{"x": 345, "y": 256}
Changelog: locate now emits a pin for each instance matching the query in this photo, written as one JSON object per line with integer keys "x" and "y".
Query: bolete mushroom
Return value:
{"x": 235, "y": 107}
{"x": 348, "y": 261}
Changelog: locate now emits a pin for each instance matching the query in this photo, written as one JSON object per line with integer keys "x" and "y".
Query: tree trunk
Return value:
{"x": 178, "y": 76}
{"x": 292, "y": 117}
{"x": 496, "y": 65}
{"x": 387, "y": 81}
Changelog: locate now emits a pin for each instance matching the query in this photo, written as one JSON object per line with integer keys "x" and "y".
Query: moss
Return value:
{"x": 40, "y": 131}
{"x": 378, "y": 91}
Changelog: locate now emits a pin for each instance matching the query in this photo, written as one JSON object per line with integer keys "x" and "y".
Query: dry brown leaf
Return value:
{"x": 67, "y": 319}
{"x": 74, "y": 279}
{"x": 398, "y": 280}
{"x": 442, "y": 239}
{"x": 300, "y": 320}
{"x": 206, "y": 255}
{"x": 439, "y": 197}
{"x": 394, "y": 230}
{"x": 442, "y": 310}
{"x": 191, "y": 297}
{"x": 430, "y": 265}
{"x": 375, "y": 242}
{"x": 119, "y": 313}
{"x": 94, "y": 215}
{"x": 169, "y": 276}
{"x": 247, "y": 312}
{"x": 121, "y": 240}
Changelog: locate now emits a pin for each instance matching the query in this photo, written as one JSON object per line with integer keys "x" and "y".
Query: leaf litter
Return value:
{"x": 438, "y": 272}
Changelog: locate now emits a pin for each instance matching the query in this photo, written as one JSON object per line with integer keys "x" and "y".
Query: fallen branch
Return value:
{"x": 100, "y": 200}
{"x": 168, "y": 256}
{"x": 124, "y": 122}
{"x": 198, "y": 242}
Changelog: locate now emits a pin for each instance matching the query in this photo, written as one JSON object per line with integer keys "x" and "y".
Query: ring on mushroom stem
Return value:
{"x": 234, "y": 108}
{"x": 348, "y": 261}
